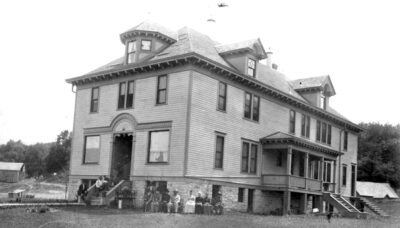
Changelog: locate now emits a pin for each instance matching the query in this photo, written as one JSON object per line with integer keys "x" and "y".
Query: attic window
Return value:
{"x": 322, "y": 103}
{"x": 251, "y": 67}
{"x": 131, "y": 51}
{"x": 146, "y": 45}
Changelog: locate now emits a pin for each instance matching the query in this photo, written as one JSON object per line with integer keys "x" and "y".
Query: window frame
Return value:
{"x": 92, "y": 100}
{"x": 128, "y": 52}
{"x": 305, "y": 125}
{"x": 249, "y": 157}
{"x": 141, "y": 45}
{"x": 158, "y": 90}
{"x": 224, "y": 96}
{"x": 292, "y": 121}
{"x": 320, "y": 133}
{"x": 84, "y": 150}
{"x": 251, "y": 108}
{"x": 241, "y": 195}
{"x": 344, "y": 175}
{"x": 149, "y": 147}
{"x": 345, "y": 140}
{"x": 249, "y": 67}
{"x": 222, "y": 136}
{"x": 126, "y": 93}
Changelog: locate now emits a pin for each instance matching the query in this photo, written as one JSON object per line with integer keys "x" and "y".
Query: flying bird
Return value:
{"x": 210, "y": 20}
{"x": 222, "y": 4}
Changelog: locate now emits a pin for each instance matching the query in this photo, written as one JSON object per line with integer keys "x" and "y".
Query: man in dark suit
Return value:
{"x": 82, "y": 191}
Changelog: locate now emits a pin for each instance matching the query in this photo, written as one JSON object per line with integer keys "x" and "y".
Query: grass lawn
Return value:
{"x": 105, "y": 217}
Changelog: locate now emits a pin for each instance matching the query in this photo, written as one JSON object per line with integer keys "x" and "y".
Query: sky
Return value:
{"x": 44, "y": 42}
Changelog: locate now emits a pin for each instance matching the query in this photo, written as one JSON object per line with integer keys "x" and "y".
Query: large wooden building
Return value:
{"x": 12, "y": 172}
{"x": 181, "y": 111}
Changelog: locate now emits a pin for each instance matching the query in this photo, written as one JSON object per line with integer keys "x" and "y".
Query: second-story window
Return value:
{"x": 305, "y": 126}
{"x": 125, "y": 96}
{"x": 162, "y": 90}
{"x": 324, "y": 132}
{"x": 251, "y": 106}
{"x": 345, "y": 140}
{"x": 94, "y": 101}
{"x": 131, "y": 51}
{"x": 292, "y": 121}
{"x": 222, "y": 96}
{"x": 251, "y": 67}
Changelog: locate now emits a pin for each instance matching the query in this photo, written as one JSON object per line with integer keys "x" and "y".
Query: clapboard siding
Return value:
{"x": 145, "y": 111}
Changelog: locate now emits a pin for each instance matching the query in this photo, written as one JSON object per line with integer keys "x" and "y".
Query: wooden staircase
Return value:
{"x": 109, "y": 196}
{"x": 374, "y": 208}
{"x": 343, "y": 206}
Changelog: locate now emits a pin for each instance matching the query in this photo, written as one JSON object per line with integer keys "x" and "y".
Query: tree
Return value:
{"x": 58, "y": 158}
{"x": 379, "y": 153}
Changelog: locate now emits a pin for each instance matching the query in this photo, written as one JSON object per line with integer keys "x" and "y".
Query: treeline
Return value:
{"x": 40, "y": 158}
{"x": 379, "y": 154}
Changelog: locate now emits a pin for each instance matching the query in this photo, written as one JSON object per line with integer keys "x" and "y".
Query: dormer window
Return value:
{"x": 322, "y": 103}
{"x": 131, "y": 51}
{"x": 251, "y": 68}
{"x": 146, "y": 45}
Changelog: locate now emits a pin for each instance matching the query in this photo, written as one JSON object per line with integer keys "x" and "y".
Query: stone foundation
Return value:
{"x": 267, "y": 202}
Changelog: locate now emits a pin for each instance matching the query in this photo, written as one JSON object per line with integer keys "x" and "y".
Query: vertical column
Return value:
{"x": 306, "y": 157}
{"x": 303, "y": 203}
{"x": 321, "y": 172}
{"x": 335, "y": 183}
{"x": 289, "y": 165}
{"x": 286, "y": 202}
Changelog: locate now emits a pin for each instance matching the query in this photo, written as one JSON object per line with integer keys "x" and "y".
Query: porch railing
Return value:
{"x": 291, "y": 181}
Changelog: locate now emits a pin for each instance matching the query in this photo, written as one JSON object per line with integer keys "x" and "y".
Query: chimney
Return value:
{"x": 275, "y": 66}
{"x": 269, "y": 58}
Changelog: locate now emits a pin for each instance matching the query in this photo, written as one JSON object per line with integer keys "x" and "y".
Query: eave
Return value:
{"x": 217, "y": 68}
{"x": 131, "y": 34}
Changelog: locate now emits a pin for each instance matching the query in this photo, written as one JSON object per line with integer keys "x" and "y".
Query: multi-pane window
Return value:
{"x": 324, "y": 132}
{"x": 249, "y": 157}
{"x": 219, "y": 152}
{"x": 345, "y": 140}
{"x": 344, "y": 173}
{"x": 131, "y": 51}
{"x": 158, "y": 146}
{"x": 322, "y": 102}
{"x": 251, "y": 67}
{"x": 125, "y": 95}
{"x": 162, "y": 90}
{"x": 222, "y": 96}
{"x": 305, "y": 126}
{"x": 240, "y": 195}
{"x": 145, "y": 45}
{"x": 292, "y": 121}
{"x": 92, "y": 149}
{"x": 94, "y": 101}
{"x": 251, "y": 106}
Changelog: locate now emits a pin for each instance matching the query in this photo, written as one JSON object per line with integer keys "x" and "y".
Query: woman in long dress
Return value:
{"x": 190, "y": 203}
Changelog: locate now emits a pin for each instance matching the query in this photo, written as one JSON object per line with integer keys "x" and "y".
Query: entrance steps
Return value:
{"x": 109, "y": 196}
{"x": 343, "y": 206}
{"x": 373, "y": 207}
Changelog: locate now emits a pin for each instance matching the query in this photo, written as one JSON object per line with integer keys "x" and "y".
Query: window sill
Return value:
{"x": 247, "y": 173}
{"x": 220, "y": 110}
{"x": 122, "y": 109}
{"x": 91, "y": 163}
{"x": 94, "y": 112}
{"x": 161, "y": 104}
{"x": 157, "y": 163}
{"x": 220, "y": 169}
{"x": 254, "y": 121}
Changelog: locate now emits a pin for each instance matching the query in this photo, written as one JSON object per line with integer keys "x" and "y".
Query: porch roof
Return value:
{"x": 283, "y": 138}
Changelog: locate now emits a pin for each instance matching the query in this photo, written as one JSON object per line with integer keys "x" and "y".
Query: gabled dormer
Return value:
{"x": 145, "y": 40}
{"x": 244, "y": 56}
{"x": 316, "y": 90}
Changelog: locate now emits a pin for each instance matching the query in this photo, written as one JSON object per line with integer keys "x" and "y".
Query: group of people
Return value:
{"x": 161, "y": 201}
{"x": 102, "y": 185}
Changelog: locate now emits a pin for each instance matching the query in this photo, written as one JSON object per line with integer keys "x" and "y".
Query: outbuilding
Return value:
{"x": 11, "y": 172}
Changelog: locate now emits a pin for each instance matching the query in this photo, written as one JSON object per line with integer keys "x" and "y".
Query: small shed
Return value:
{"x": 376, "y": 190}
{"x": 12, "y": 172}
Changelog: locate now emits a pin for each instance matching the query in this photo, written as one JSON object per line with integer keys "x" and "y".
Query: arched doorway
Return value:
{"x": 123, "y": 147}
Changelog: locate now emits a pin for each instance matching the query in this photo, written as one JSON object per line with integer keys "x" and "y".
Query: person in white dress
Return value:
{"x": 190, "y": 203}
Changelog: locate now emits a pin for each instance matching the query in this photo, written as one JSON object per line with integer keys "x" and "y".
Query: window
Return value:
{"x": 305, "y": 126}
{"x": 251, "y": 67}
{"x": 92, "y": 150}
{"x": 345, "y": 140}
{"x": 324, "y": 132}
{"x": 146, "y": 45}
{"x": 222, "y": 96}
{"x": 322, "y": 102}
{"x": 344, "y": 173}
{"x": 219, "y": 152}
{"x": 328, "y": 171}
{"x": 292, "y": 122}
{"x": 162, "y": 90}
{"x": 240, "y": 195}
{"x": 249, "y": 157}
{"x": 158, "y": 146}
{"x": 131, "y": 51}
{"x": 251, "y": 106}
{"x": 125, "y": 96}
{"x": 94, "y": 102}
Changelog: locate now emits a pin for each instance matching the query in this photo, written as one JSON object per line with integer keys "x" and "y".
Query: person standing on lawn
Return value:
{"x": 190, "y": 203}
{"x": 207, "y": 208}
{"x": 175, "y": 201}
{"x": 199, "y": 204}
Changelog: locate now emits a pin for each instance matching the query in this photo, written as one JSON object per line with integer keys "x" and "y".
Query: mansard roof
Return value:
{"x": 195, "y": 48}
{"x": 283, "y": 138}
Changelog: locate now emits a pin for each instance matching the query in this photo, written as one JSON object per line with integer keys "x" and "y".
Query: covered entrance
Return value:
{"x": 121, "y": 157}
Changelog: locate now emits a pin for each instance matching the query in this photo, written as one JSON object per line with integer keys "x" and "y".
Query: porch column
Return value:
{"x": 289, "y": 165}
{"x": 334, "y": 176}
{"x": 303, "y": 203}
{"x": 286, "y": 202}
{"x": 321, "y": 173}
